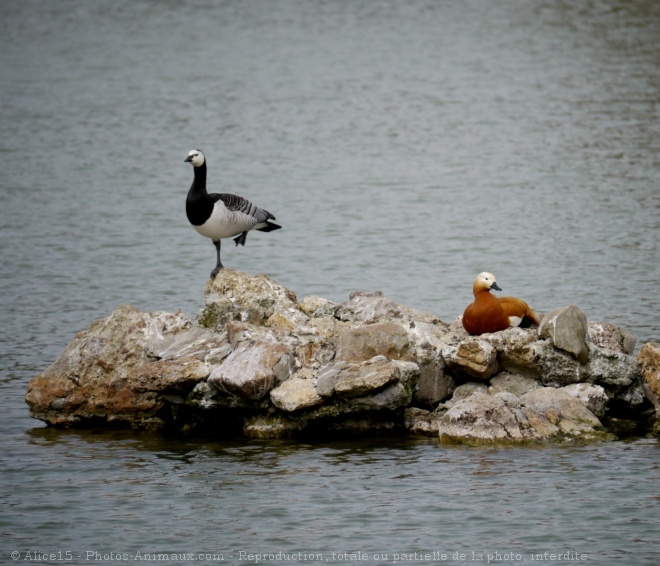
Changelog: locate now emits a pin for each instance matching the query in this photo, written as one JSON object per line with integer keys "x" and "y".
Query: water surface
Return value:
{"x": 404, "y": 147}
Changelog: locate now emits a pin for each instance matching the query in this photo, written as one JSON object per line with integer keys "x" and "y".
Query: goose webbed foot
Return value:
{"x": 241, "y": 239}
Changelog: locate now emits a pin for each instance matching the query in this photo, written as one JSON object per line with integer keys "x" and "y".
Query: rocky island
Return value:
{"x": 259, "y": 363}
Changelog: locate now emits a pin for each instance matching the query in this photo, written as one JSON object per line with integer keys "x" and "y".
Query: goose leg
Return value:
{"x": 218, "y": 265}
{"x": 241, "y": 239}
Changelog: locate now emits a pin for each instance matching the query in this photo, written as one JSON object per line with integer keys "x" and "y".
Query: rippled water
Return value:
{"x": 404, "y": 147}
{"x": 137, "y": 494}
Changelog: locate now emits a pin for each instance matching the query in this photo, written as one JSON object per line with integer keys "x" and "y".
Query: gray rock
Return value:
{"x": 427, "y": 341}
{"x": 465, "y": 390}
{"x": 649, "y": 362}
{"x": 233, "y": 295}
{"x": 317, "y": 307}
{"x": 370, "y": 308}
{"x": 362, "y": 343}
{"x": 111, "y": 372}
{"x": 244, "y": 332}
{"x": 426, "y": 336}
{"x": 393, "y": 397}
{"x": 566, "y": 328}
{"x": 606, "y": 335}
{"x": 296, "y": 394}
{"x": 593, "y": 397}
{"x": 290, "y": 319}
{"x": 473, "y": 357}
{"x": 325, "y": 379}
{"x": 434, "y": 384}
{"x": 512, "y": 383}
{"x": 260, "y": 362}
{"x": 253, "y": 370}
{"x": 357, "y": 380}
{"x": 482, "y": 418}
{"x": 516, "y": 350}
{"x": 544, "y": 414}
{"x": 615, "y": 371}
{"x": 420, "y": 421}
{"x": 562, "y": 410}
{"x": 196, "y": 341}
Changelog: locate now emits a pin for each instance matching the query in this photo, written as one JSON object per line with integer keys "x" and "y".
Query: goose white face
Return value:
{"x": 195, "y": 157}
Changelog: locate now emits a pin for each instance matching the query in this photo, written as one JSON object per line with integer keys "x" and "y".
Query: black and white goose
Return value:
{"x": 218, "y": 216}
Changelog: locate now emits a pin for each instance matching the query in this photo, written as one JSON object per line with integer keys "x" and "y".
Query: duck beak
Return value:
{"x": 495, "y": 286}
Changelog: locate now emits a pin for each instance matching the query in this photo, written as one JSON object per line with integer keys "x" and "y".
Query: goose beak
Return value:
{"x": 495, "y": 286}
{"x": 187, "y": 159}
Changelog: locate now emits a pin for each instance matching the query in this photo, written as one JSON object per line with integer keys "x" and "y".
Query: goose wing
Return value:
{"x": 241, "y": 205}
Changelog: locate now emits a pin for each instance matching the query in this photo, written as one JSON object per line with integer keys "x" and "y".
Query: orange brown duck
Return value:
{"x": 490, "y": 314}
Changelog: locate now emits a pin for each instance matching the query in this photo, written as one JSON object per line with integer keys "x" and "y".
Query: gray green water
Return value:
{"x": 404, "y": 147}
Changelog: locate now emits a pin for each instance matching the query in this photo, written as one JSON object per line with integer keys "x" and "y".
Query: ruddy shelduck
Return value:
{"x": 490, "y": 314}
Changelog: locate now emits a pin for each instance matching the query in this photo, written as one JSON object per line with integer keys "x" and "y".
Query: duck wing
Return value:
{"x": 518, "y": 311}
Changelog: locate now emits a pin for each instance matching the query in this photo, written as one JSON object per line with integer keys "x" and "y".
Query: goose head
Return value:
{"x": 485, "y": 282}
{"x": 195, "y": 158}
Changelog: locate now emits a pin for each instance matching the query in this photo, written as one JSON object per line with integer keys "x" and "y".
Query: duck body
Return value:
{"x": 221, "y": 215}
{"x": 491, "y": 314}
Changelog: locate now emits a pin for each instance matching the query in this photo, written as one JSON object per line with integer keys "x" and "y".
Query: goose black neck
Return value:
{"x": 199, "y": 205}
{"x": 199, "y": 183}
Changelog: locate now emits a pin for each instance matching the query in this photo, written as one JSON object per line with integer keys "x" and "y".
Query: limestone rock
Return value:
{"x": 420, "y": 421}
{"x": 465, "y": 390}
{"x": 380, "y": 339}
{"x": 296, "y": 394}
{"x": 616, "y": 372}
{"x": 593, "y": 397}
{"x": 512, "y": 383}
{"x": 109, "y": 372}
{"x": 562, "y": 410}
{"x": 544, "y": 414}
{"x": 483, "y": 418}
{"x": 239, "y": 332}
{"x": 649, "y": 361}
{"x": 394, "y": 396}
{"x": 515, "y": 350}
{"x": 427, "y": 336}
{"x": 566, "y": 328}
{"x": 198, "y": 342}
{"x": 357, "y": 380}
{"x": 474, "y": 357}
{"x": 370, "y": 308}
{"x": 253, "y": 370}
{"x": 234, "y": 295}
{"x": 318, "y": 307}
{"x": 260, "y": 364}
{"x": 326, "y": 376}
{"x": 606, "y": 335}
{"x": 434, "y": 383}
{"x": 427, "y": 340}
{"x": 290, "y": 319}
